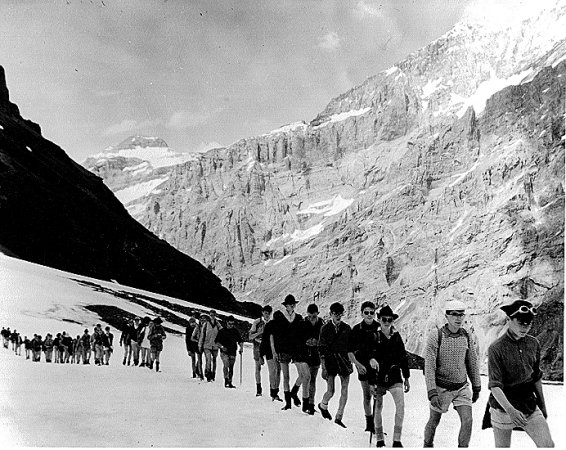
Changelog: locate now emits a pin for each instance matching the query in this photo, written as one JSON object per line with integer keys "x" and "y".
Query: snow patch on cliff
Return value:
{"x": 328, "y": 207}
{"x": 139, "y": 190}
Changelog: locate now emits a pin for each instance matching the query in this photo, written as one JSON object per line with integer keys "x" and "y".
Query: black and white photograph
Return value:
{"x": 282, "y": 224}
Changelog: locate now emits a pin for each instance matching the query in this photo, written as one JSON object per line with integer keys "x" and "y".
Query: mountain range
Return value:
{"x": 439, "y": 178}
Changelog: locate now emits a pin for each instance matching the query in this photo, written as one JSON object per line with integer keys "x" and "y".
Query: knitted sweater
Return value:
{"x": 450, "y": 367}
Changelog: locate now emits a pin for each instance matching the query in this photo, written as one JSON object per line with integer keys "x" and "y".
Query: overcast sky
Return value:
{"x": 93, "y": 72}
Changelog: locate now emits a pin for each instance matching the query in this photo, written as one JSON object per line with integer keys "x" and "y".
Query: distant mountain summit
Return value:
{"x": 140, "y": 141}
{"x": 136, "y": 168}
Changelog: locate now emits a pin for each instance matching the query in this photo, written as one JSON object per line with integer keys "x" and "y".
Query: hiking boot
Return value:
{"x": 142, "y": 364}
{"x": 287, "y": 395}
{"x": 275, "y": 395}
{"x": 369, "y": 424}
{"x": 338, "y": 421}
{"x": 380, "y": 443}
{"x": 150, "y": 365}
{"x": 306, "y": 405}
{"x": 311, "y": 409}
{"x": 124, "y": 362}
{"x": 294, "y": 395}
{"x": 258, "y": 390}
{"x": 324, "y": 412}
{"x": 157, "y": 367}
{"x": 397, "y": 444}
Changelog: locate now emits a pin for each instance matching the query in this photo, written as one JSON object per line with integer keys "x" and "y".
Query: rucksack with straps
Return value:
{"x": 440, "y": 342}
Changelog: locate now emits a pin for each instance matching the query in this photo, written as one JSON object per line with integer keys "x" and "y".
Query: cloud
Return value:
{"x": 189, "y": 119}
{"x": 329, "y": 42}
{"x": 128, "y": 125}
{"x": 367, "y": 9}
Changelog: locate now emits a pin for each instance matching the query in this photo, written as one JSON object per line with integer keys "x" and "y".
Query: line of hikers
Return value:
{"x": 63, "y": 348}
{"x": 377, "y": 351}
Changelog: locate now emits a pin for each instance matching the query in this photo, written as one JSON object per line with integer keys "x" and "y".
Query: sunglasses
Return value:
{"x": 369, "y": 313}
{"x": 525, "y": 310}
{"x": 387, "y": 319}
{"x": 456, "y": 314}
{"x": 525, "y": 323}
{"x": 338, "y": 313}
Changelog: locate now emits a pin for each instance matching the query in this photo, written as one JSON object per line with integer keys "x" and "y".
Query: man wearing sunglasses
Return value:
{"x": 516, "y": 398}
{"x": 450, "y": 359}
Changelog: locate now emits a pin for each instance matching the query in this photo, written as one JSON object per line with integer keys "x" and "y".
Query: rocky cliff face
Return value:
{"x": 441, "y": 177}
{"x": 56, "y": 213}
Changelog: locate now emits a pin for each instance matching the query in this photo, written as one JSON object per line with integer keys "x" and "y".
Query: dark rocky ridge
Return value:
{"x": 56, "y": 213}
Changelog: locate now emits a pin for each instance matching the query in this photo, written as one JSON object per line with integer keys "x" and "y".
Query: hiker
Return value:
{"x": 207, "y": 344}
{"x": 19, "y": 342}
{"x": 195, "y": 337}
{"x": 363, "y": 341}
{"x": 450, "y": 359}
{"x": 312, "y": 325}
{"x": 86, "y": 345}
{"x": 143, "y": 341}
{"x": 515, "y": 380}
{"x": 13, "y": 338}
{"x": 266, "y": 351}
{"x": 156, "y": 336}
{"x": 97, "y": 344}
{"x": 36, "y": 345}
{"x": 78, "y": 349}
{"x": 390, "y": 360}
{"x": 6, "y": 336}
{"x": 126, "y": 337}
{"x": 333, "y": 346}
{"x": 48, "y": 347}
{"x": 107, "y": 345}
{"x": 27, "y": 347}
{"x": 255, "y": 335}
{"x": 192, "y": 346}
{"x": 287, "y": 346}
{"x": 134, "y": 342}
{"x": 228, "y": 339}
{"x": 67, "y": 343}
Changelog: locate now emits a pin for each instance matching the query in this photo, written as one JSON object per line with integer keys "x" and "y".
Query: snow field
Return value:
{"x": 69, "y": 405}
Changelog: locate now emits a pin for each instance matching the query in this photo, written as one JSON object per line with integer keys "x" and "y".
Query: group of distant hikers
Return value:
{"x": 373, "y": 347}
{"x": 63, "y": 348}
{"x": 140, "y": 337}
{"x": 377, "y": 352}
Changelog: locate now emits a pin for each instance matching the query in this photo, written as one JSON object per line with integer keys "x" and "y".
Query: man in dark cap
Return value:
{"x": 334, "y": 345}
{"x": 516, "y": 398}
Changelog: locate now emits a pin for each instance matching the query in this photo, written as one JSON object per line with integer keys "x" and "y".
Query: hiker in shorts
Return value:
{"x": 201, "y": 320}
{"x": 266, "y": 351}
{"x": 515, "y": 380}
{"x": 19, "y": 342}
{"x": 126, "y": 336}
{"x": 208, "y": 345}
{"x": 228, "y": 339}
{"x": 312, "y": 326}
{"x": 27, "y": 347}
{"x": 363, "y": 341}
{"x": 86, "y": 345}
{"x": 78, "y": 348}
{"x": 450, "y": 359}
{"x": 156, "y": 336}
{"x": 255, "y": 335}
{"x": 192, "y": 346}
{"x": 67, "y": 342}
{"x": 37, "y": 346}
{"x": 97, "y": 344}
{"x": 286, "y": 348}
{"x": 389, "y": 359}
{"x": 143, "y": 341}
{"x": 107, "y": 345}
{"x": 135, "y": 344}
{"x": 48, "y": 347}
{"x": 334, "y": 345}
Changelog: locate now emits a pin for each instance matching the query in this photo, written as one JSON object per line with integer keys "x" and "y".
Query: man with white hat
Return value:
{"x": 450, "y": 359}
{"x": 516, "y": 399}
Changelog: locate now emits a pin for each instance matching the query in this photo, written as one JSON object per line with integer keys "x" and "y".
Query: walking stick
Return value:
{"x": 372, "y": 418}
{"x": 241, "y": 357}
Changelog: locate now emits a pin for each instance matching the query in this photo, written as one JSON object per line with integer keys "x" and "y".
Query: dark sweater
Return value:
{"x": 288, "y": 335}
{"x": 392, "y": 358}
{"x": 363, "y": 341}
{"x": 229, "y": 338}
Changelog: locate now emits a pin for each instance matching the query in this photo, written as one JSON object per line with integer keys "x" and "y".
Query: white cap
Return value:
{"x": 454, "y": 305}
